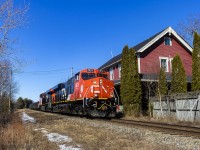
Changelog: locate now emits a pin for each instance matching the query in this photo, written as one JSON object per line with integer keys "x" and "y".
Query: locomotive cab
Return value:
{"x": 96, "y": 92}
{"x": 93, "y": 84}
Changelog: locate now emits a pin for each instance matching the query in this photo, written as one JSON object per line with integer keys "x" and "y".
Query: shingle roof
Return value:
{"x": 145, "y": 44}
{"x": 142, "y": 44}
{"x": 111, "y": 61}
{"x": 136, "y": 48}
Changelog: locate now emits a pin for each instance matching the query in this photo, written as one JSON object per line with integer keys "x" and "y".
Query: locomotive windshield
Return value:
{"x": 102, "y": 75}
{"x": 86, "y": 76}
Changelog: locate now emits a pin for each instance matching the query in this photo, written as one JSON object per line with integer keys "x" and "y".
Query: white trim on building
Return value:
{"x": 164, "y": 63}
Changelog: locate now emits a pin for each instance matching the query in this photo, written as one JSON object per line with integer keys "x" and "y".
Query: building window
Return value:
{"x": 168, "y": 41}
{"x": 119, "y": 69}
{"x": 164, "y": 63}
{"x": 111, "y": 74}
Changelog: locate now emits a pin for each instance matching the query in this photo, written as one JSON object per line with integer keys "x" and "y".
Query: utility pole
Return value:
{"x": 10, "y": 99}
{"x": 72, "y": 71}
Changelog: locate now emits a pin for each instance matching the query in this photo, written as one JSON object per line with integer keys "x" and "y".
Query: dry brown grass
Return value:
{"x": 89, "y": 134}
{"x": 90, "y": 137}
{"x": 17, "y": 135}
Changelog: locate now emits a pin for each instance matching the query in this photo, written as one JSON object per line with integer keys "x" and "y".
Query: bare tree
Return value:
{"x": 12, "y": 17}
{"x": 187, "y": 27}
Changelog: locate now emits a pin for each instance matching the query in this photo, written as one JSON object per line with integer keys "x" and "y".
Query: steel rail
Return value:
{"x": 172, "y": 129}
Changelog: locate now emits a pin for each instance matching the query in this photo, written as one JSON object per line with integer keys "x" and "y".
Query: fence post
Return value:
{"x": 168, "y": 105}
{"x": 176, "y": 110}
{"x": 198, "y": 99}
{"x": 191, "y": 109}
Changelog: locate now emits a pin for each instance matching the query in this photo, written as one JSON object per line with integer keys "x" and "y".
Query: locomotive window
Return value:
{"x": 91, "y": 75}
{"x": 77, "y": 77}
{"x": 102, "y": 75}
{"x": 86, "y": 76}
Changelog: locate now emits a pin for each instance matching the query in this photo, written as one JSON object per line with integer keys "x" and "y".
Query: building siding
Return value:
{"x": 149, "y": 59}
{"x": 150, "y": 62}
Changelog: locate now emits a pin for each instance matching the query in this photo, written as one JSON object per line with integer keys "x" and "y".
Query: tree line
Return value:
{"x": 130, "y": 89}
{"x": 23, "y": 103}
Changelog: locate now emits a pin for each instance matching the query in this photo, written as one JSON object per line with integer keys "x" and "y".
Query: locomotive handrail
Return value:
{"x": 86, "y": 92}
{"x": 84, "y": 97}
{"x": 103, "y": 105}
{"x": 117, "y": 95}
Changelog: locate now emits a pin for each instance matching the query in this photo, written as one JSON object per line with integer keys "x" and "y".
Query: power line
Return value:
{"x": 46, "y": 72}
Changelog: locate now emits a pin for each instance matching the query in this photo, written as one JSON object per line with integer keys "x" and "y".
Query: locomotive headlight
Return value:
{"x": 100, "y": 81}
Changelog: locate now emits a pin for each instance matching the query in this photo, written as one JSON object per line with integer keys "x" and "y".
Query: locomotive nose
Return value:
{"x": 97, "y": 87}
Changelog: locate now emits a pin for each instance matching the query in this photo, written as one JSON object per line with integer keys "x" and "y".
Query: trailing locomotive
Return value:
{"x": 89, "y": 92}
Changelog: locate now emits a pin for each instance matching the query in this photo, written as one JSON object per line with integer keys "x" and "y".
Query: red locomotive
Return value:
{"x": 88, "y": 92}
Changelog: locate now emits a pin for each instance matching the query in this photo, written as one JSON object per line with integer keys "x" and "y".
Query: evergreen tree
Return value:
{"x": 27, "y": 102}
{"x": 162, "y": 82}
{"x": 178, "y": 81}
{"x": 196, "y": 63}
{"x": 134, "y": 85}
{"x": 20, "y": 103}
{"x": 124, "y": 73}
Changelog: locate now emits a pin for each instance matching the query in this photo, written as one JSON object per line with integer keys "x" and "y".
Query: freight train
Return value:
{"x": 89, "y": 93}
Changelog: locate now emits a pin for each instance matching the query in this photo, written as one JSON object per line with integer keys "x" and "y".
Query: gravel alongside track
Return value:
{"x": 151, "y": 137}
{"x": 102, "y": 134}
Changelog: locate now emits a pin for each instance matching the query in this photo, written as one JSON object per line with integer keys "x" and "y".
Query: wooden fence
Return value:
{"x": 184, "y": 107}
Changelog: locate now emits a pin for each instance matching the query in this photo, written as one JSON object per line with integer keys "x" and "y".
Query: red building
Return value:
{"x": 152, "y": 54}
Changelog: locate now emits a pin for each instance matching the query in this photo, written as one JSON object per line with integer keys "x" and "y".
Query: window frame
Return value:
{"x": 167, "y": 38}
{"x": 111, "y": 72}
{"x": 167, "y": 65}
{"x": 119, "y": 69}
{"x": 170, "y": 63}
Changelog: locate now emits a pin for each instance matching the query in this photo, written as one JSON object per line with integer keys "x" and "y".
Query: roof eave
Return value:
{"x": 111, "y": 64}
{"x": 168, "y": 30}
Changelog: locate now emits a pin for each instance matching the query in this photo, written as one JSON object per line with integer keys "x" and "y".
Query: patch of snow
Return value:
{"x": 78, "y": 145}
{"x": 59, "y": 139}
{"x": 44, "y": 131}
{"x": 64, "y": 147}
{"x": 27, "y": 118}
{"x": 55, "y": 137}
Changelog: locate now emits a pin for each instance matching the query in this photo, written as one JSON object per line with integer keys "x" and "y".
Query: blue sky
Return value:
{"x": 82, "y": 33}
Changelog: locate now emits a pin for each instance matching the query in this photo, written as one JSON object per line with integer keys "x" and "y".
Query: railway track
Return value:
{"x": 173, "y": 129}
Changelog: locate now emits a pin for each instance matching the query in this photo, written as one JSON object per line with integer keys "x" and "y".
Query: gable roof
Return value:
{"x": 141, "y": 47}
{"x": 158, "y": 36}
